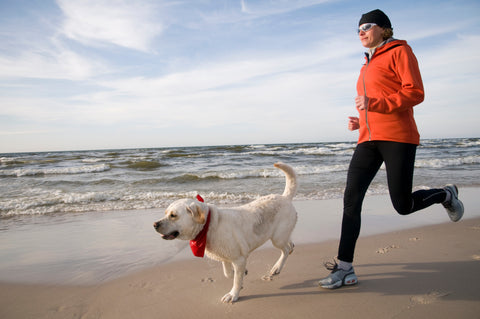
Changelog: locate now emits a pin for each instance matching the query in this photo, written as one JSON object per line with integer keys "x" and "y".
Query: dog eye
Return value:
{"x": 173, "y": 215}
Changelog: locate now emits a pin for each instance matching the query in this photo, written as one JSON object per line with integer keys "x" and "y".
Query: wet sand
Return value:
{"x": 408, "y": 267}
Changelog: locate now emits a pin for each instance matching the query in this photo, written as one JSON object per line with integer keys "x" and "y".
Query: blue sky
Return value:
{"x": 98, "y": 74}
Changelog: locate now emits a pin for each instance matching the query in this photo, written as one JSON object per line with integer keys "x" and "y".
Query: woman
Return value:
{"x": 388, "y": 88}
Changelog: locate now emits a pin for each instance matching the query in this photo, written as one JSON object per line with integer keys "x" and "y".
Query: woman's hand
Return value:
{"x": 353, "y": 123}
{"x": 361, "y": 102}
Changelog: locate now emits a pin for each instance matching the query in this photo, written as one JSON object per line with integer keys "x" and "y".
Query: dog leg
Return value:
{"x": 227, "y": 269}
{"x": 286, "y": 250}
{"x": 239, "y": 272}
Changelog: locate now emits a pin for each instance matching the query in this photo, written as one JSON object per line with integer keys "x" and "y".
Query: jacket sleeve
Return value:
{"x": 410, "y": 92}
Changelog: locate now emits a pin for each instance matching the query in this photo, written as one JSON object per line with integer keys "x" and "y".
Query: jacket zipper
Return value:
{"x": 365, "y": 93}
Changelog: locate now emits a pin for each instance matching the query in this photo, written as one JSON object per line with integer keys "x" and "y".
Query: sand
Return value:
{"x": 431, "y": 271}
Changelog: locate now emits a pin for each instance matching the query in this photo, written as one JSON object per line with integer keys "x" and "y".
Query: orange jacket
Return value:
{"x": 392, "y": 82}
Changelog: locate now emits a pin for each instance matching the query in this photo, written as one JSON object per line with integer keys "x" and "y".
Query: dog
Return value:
{"x": 233, "y": 233}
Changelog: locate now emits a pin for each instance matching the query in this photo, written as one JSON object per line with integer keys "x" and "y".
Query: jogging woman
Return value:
{"x": 388, "y": 88}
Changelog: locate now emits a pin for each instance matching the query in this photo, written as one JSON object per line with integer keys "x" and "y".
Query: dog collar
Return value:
{"x": 199, "y": 244}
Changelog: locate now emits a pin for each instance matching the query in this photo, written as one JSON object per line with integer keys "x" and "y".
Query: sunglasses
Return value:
{"x": 366, "y": 27}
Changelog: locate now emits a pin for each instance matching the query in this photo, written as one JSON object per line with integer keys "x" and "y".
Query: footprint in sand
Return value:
{"x": 385, "y": 250}
{"x": 139, "y": 285}
{"x": 208, "y": 280}
{"x": 429, "y": 298}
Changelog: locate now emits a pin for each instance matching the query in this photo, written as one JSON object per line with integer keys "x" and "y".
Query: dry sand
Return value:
{"x": 427, "y": 272}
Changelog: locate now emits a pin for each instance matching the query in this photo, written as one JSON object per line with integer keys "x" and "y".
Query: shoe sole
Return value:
{"x": 455, "y": 216}
{"x": 349, "y": 280}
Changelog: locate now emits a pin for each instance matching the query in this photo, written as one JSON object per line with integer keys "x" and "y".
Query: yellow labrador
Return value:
{"x": 229, "y": 235}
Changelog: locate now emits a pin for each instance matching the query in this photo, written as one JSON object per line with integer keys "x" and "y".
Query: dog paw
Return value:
{"x": 275, "y": 270}
{"x": 230, "y": 298}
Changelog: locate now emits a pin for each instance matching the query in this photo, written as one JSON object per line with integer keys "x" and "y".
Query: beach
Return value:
{"x": 418, "y": 266}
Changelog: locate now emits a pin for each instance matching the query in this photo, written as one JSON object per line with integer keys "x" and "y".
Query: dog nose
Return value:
{"x": 156, "y": 225}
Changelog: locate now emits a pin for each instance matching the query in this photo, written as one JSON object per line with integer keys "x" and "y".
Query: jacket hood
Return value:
{"x": 385, "y": 46}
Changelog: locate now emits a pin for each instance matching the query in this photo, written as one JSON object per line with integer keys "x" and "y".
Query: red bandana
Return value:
{"x": 200, "y": 242}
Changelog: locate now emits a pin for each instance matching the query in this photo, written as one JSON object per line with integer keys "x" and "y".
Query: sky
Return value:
{"x": 110, "y": 74}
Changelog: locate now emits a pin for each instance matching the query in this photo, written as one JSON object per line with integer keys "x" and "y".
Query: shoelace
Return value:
{"x": 332, "y": 266}
{"x": 448, "y": 204}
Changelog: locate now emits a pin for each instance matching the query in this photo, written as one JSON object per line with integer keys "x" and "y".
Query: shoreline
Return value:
{"x": 89, "y": 248}
{"x": 411, "y": 273}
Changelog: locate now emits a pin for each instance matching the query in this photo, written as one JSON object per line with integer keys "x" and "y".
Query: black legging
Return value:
{"x": 399, "y": 161}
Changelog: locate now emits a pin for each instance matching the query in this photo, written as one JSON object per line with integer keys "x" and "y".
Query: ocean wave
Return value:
{"x": 11, "y": 161}
{"x": 261, "y": 150}
{"x": 447, "y": 162}
{"x": 144, "y": 165}
{"x": 186, "y": 178}
{"x": 312, "y": 151}
{"x": 43, "y": 202}
{"x": 468, "y": 143}
{"x": 320, "y": 169}
{"x": 18, "y": 161}
{"x": 59, "y": 202}
{"x": 258, "y": 173}
{"x": 105, "y": 180}
{"x": 95, "y": 160}
{"x": 179, "y": 153}
{"x": 54, "y": 170}
{"x": 450, "y": 143}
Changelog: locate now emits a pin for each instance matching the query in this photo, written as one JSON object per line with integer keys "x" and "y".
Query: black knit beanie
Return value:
{"x": 376, "y": 16}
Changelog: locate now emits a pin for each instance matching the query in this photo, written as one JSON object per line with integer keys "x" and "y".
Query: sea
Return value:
{"x": 64, "y": 193}
{"x": 132, "y": 179}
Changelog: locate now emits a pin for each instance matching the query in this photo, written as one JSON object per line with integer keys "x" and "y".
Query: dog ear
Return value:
{"x": 198, "y": 212}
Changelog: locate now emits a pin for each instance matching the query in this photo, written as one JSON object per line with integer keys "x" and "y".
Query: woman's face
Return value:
{"x": 372, "y": 37}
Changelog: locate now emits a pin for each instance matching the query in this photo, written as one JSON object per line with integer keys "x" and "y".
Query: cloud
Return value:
{"x": 228, "y": 71}
{"x": 32, "y": 132}
{"x": 450, "y": 76}
{"x": 265, "y": 8}
{"x": 233, "y": 11}
{"x": 238, "y": 71}
{"x": 245, "y": 90}
{"x": 447, "y": 83}
{"x": 128, "y": 24}
{"x": 50, "y": 64}
{"x": 463, "y": 50}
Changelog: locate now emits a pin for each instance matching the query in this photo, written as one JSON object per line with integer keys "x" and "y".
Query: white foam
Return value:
{"x": 55, "y": 171}
{"x": 446, "y": 162}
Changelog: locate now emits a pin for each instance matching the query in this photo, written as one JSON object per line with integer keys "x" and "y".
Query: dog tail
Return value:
{"x": 291, "y": 180}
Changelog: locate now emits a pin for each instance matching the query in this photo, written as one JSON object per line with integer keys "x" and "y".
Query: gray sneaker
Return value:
{"x": 338, "y": 277}
{"x": 454, "y": 206}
